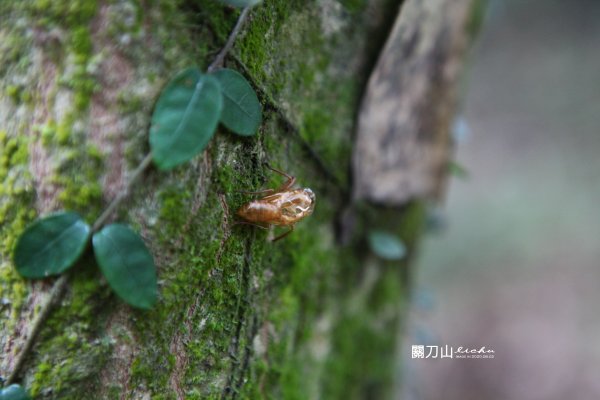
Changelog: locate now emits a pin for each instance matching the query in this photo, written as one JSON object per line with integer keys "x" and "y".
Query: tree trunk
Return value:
{"x": 238, "y": 316}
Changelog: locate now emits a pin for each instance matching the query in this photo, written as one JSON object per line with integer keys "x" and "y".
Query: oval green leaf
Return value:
{"x": 241, "y": 3}
{"x": 51, "y": 245}
{"x": 14, "y": 392}
{"x": 241, "y": 109}
{"x": 185, "y": 118}
{"x": 127, "y": 265}
{"x": 386, "y": 245}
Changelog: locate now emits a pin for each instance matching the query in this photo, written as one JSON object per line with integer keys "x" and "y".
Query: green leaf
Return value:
{"x": 185, "y": 118}
{"x": 126, "y": 264}
{"x": 241, "y": 108}
{"x": 51, "y": 245}
{"x": 386, "y": 245}
{"x": 241, "y": 3}
{"x": 14, "y": 392}
{"x": 458, "y": 170}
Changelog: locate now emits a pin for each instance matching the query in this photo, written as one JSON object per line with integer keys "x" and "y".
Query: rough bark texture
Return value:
{"x": 237, "y": 316}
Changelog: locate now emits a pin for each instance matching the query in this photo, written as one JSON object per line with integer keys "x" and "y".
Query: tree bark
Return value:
{"x": 238, "y": 316}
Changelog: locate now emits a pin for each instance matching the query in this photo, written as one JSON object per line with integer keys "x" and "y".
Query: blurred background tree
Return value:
{"x": 517, "y": 269}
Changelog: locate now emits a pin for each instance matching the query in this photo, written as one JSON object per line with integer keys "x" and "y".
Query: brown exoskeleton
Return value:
{"x": 283, "y": 206}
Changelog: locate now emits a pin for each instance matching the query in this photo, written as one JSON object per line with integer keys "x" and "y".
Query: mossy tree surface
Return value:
{"x": 237, "y": 316}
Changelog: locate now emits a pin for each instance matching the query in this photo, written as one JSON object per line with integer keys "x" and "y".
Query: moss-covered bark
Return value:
{"x": 238, "y": 316}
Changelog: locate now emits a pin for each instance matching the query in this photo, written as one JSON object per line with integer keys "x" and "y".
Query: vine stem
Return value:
{"x": 123, "y": 193}
{"x": 218, "y": 61}
{"x": 57, "y": 290}
{"x": 61, "y": 283}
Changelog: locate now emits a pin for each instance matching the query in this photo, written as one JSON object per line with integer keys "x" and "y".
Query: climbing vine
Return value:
{"x": 185, "y": 118}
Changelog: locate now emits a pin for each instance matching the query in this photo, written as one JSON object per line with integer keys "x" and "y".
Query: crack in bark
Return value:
{"x": 247, "y": 353}
{"x": 290, "y": 126}
{"x": 225, "y": 226}
{"x": 177, "y": 348}
{"x": 231, "y": 388}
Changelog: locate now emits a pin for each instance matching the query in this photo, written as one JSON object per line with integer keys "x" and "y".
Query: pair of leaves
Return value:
{"x": 53, "y": 244}
{"x": 386, "y": 245}
{"x": 189, "y": 109}
{"x": 14, "y": 392}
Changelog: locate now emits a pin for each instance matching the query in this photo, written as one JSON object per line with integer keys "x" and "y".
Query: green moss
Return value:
{"x": 47, "y": 132}
{"x": 296, "y": 65}
{"x": 69, "y": 341}
{"x": 76, "y": 174}
{"x": 62, "y": 132}
{"x": 72, "y": 13}
{"x": 81, "y": 83}
{"x": 173, "y": 200}
{"x": 13, "y": 92}
{"x": 80, "y": 195}
{"x": 14, "y": 44}
{"x": 354, "y": 6}
{"x": 209, "y": 19}
{"x": 316, "y": 126}
{"x": 362, "y": 361}
{"x": 16, "y": 211}
{"x": 81, "y": 42}
{"x": 76, "y": 362}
